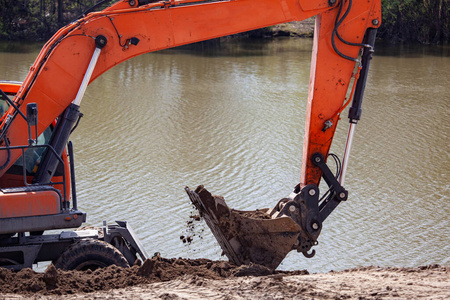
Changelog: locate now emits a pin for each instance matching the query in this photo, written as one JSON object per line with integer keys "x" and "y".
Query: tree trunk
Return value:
{"x": 60, "y": 13}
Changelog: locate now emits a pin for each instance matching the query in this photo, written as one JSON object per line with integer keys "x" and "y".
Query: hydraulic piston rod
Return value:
{"x": 348, "y": 146}
{"x": 100, "y": 42}
{"x": 354, "y": 113}
{"x": 66, "y": 121}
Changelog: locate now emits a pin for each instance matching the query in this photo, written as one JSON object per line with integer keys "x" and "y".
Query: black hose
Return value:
{"x": 335, "y": 33}
{"x": 8, "y": 159}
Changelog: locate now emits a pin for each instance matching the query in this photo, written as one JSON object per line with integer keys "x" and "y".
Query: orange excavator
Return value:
{"x": 37, "y": 178}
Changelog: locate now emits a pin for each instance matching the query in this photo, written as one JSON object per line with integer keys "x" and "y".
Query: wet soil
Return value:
{"x": 254, "y": 214}
{"x": 59, "y": 282}
{"x": 161, "y": 278}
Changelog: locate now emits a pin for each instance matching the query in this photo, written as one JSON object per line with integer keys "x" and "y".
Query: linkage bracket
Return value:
{"x": 338, "y": 193}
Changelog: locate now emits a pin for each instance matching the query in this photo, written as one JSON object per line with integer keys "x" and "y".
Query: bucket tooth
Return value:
{"x": 246, "y": 236}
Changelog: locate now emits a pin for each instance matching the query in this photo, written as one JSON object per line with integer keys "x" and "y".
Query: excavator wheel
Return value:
{"x": 90, "y": 254}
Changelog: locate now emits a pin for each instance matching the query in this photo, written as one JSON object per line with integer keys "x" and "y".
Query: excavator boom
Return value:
{"x": 83, "y": 50}
{"x": 56, "y": 76}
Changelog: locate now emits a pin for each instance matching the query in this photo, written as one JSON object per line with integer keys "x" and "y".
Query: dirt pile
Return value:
{"x": 59, "y": 282}
{"x": 204, "y": 279}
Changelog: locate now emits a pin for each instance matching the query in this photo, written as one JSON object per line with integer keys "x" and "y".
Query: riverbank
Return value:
{"x": 204, "y": 279}
{"x": 294, "y": 29}
{"x": 301, "y": 29}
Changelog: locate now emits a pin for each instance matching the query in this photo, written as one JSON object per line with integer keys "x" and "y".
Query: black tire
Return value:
{"x": 90, "y": 254}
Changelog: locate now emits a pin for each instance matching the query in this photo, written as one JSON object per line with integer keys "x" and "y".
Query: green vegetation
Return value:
{"x": 416, "y": 21}
{"x": 37, "y": 20}
{"x": 411, "y": 21}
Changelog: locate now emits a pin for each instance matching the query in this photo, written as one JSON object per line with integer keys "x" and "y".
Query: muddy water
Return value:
{"x": 231, "y": 118}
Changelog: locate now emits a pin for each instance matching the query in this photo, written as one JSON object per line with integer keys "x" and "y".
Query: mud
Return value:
{"x": 192, "y": 228}
{"x": 161, "y": 278}
{"x": 59, "y": 282}
{"x": 254, "y": 214}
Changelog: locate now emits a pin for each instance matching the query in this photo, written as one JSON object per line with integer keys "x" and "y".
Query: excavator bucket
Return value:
{"x": 246, "y": 236}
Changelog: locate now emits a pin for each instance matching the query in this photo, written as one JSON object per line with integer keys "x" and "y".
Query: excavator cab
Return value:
{"x": 27, "y": 209}
{"x": 16, "y": 186}
{"x": 29, "y": 162}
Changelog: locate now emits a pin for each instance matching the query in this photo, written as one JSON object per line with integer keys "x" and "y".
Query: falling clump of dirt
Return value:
{"x": 158, "y": 269}
{"x": 186, "y": 239}
{"x": 195, "y": 217}
{"x": 192, "y": 229}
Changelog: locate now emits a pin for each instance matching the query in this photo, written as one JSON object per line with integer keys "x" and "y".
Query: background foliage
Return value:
{"x": 37, "y": 19}
{"x": 422, "y": 21}
{"x": 416, "y": 21}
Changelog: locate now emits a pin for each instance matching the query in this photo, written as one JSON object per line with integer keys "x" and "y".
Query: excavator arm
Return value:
{"x": 131, "y": 28}
{"x": 83, "y": 50}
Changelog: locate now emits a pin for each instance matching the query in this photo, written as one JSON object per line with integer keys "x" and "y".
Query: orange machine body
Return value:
{"x": 28, "y": 204}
